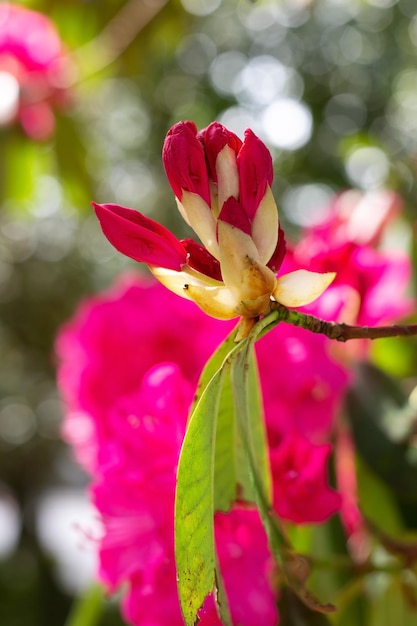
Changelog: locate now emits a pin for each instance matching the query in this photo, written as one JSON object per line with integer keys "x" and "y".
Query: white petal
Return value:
{"x": 236, "y": 248}
{"x": 265, "y": 227}
{"x": 199, "y": 216}
{"x": 301, "y": 287}
{"x": 227, "y": 175}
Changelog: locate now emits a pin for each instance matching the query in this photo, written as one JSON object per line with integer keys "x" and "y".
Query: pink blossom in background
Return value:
{"x": 113, "y": 340}
{"x": 301, "y": 492}
{"x": 33, "y": 71}
{"x": 129, "y": 364}
{"x": 370, "y": 289}
{"x": 302, "y": 384}
{"x": 348, "y": 241}
{"x": 134, "y": 494}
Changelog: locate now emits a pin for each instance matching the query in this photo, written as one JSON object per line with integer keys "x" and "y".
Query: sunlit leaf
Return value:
{"x": 87, "y": 610}
{"x": 194, "y": 505}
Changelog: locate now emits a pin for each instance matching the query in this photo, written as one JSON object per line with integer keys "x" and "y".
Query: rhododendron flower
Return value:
{"x": 305, "y": 391}
{"x": 301, "y": 493}
{"x": 223, "y": 191}
{"x": 112, "y": 341}
{"x": 349, "y": 240}
{"x": 134, "y": 494}
{"x": 33, "y": 72}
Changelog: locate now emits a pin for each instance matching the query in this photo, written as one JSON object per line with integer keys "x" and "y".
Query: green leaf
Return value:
{"x": 225, "y": 486}
{"x": 394, "y": 602}
{"x": 293, "y": 612}
{"x": 195, "y": 556}
{"x": 382, "y": 424}
{"x": 251, "y": 441}
{"x": 87, "y": 610}
{"x": 377, "y": 501}
{"x": 225, "y": 476}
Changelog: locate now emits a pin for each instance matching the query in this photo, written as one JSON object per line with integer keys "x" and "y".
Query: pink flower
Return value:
{"x": 112, "y": 341}
{"x": 222, "y": 187}
{"x": 134, "y": 495}
{"x": 302, "y": 384}
{"x": 33, "y": 72}
{"x": 114, "y": 338}
{"x": 301, "y": 493}
{"x": 128, "y": 377}
{"x": 348, "y": 242}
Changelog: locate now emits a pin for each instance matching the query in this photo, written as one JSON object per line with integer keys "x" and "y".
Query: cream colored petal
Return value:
{"x": 265, "y": 227}
{"x": 227, "y": 175}
{"x": 174, "y": 281}
{"x": 237, "y": 250}
{"x": 211, "y": 296}
{"x": 178, "y": 282}
{"x": 301, "y": 287}
{"x": 217, "y": 302}
{"x": 201, "y": 219}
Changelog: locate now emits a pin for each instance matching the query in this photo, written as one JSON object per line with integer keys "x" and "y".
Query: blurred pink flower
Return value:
{"x": 348, "y": 241}
{"x": 115, "y": 337}
{"x": 134, "y": 495}
{"x": 302, "y": 384}
{"x": 113, "y": 340}
{"x": 128, "y": 377}
{"x": 33, "y": 71}
{"x": 301, "y": 492}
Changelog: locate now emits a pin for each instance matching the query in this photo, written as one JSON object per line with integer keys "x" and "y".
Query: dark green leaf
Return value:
{"x": 381, "y": 421}
{"x": 293, "y": 612}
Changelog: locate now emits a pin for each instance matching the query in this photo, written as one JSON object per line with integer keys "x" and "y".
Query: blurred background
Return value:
{"x": 329, "y": 85}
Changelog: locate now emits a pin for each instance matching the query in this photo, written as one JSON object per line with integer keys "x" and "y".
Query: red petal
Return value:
{"x": 254, "y": 163}
{"x": 201, "y": 260}
{"x": 214, "y": 138}
{"x": 139, "y": 237}
{"x": 184, "y": 161}
{"x": 233, "y": 213}
{"x": 277, "y": 258}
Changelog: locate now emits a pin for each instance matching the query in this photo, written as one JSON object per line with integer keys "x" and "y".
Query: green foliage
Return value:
{"x": 383, "y": 423}
{"x": 194, "y": 503}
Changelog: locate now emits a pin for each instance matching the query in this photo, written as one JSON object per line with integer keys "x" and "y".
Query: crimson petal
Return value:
{"x": 200, "y": 259}
{"x": 277, "y": 258}
{"x": 140, "y": 237}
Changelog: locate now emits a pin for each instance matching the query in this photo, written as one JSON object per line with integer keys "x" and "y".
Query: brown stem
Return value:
{"x": 343, "y": 332}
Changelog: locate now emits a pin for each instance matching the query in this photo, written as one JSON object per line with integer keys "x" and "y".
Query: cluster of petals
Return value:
{"x": 33, "y": 71}
{"x": 127, "y": 377}
{"x": 301, "y": 492}
{"x": 370, "y": 288}
{"x": 110, "y": 343}
{"x": 350, "y": 240}
{"x": 134, "y": 493}
{"x": 223, "y": 191}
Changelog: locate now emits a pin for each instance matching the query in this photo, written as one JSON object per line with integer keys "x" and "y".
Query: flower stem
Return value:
{"x": 338, "y": 332}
